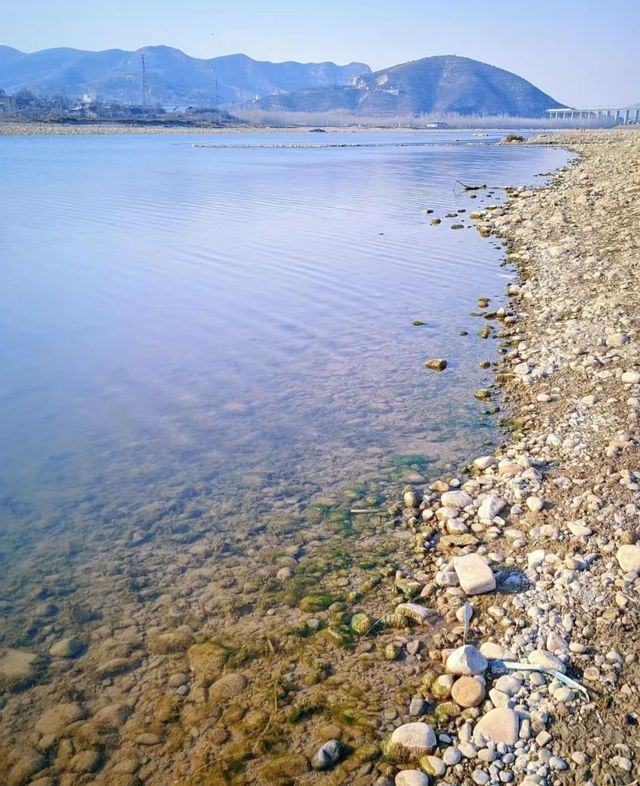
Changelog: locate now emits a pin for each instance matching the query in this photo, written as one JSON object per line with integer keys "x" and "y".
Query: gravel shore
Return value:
{"x": 553, "y": 519}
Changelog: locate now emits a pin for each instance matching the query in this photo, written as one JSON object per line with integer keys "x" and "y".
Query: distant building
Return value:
{"x": 437, "y": 125}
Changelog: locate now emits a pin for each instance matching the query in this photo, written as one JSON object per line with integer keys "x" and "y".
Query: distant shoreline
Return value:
{"x": 41, "y": 128}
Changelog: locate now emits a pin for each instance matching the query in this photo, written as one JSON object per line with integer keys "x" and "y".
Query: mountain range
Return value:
{"x": 174, "y": 78}
{"x": 433, "y": 85}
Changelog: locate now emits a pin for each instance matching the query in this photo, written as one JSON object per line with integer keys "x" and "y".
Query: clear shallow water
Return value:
{"x": 207, "y": 359}
{"x": 236, "y": 318}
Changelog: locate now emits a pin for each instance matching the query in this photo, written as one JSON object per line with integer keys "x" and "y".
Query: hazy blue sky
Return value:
{"x": 580, "y": 51}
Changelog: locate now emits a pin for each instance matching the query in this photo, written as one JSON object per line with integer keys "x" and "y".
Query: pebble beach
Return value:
{"x": 498, "y": 644}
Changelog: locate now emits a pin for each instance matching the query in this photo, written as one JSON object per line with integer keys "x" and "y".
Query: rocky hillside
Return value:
{"x": 432, "y": 85}
{"x": 174, "y": 77}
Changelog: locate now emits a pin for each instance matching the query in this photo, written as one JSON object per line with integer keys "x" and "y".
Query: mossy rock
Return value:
{"x": 361, "y": 623}
{"x": 446, "y": 711}
{"x": 207, "y": 660}
{"x": 339, "y": 635}
{"x": 316, "y": 601}
{"x": 284, "y": 770}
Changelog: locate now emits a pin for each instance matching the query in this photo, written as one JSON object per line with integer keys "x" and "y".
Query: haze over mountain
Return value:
{"x": 174, "y": 77}
{"x": 433, "y": 85}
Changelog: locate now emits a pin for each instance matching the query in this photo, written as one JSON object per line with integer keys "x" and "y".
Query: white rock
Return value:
{"x": 535, "y": 504}
{"x": 496, "y": 651}
{"x": 413, "y": 611}
{"x": 628, "y": 558}
{"x": 418, "y": 737}
{"x": 484, "y": 462}
{"x": 474, "y": 574}
{"x": 631, "y": 377}
{"x": 456, "y": 499}
{"x": 451, "y": 756}
{"x": 466, "y": 660}
{"x": 490, "y": 506}
{"x": 543, "y": 658}
{"x": 411, "y": 778}
{"x": 499, "y": 725}
{"x": 433, "y": 765}
{"x": 508, "y": 684}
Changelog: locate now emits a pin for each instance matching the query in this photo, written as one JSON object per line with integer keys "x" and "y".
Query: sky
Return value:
{"x": 582, "y": 52}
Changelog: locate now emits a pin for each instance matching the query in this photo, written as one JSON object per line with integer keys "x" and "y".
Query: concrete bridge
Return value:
{"x": 624, "y": 114}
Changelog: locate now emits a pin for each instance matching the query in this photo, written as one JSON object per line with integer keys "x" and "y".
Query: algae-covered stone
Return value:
{"x": 361, "y": 623}
{"x": 227, "y": 686}
{"x": 316, "y": 601}
{"x": 413, "y": 611}
{"x": 206, "y": 661}
{"x": 56, "y": 719}
{"x": 176, "y": 640}
{"x": 409, "y": 742}
{"x": 67, "y": 648}
{"x": 392, "y": 651}
{"x": 482, "y": 394}
{"x": 408, "y": 587}
{"x": 436, "y": 364}
{"x": 285, "y": 770}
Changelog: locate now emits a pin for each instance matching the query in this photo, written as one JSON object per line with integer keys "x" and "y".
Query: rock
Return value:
{"x": 433, "y": 765}
{"x": 451, "y": 756}
{"x": 498, "y": 725}
{"x": 490, "y": 506}
{"x": 616, "y": 339}
{"x": 24, "y": 767}
{"x": 16, "y": 665}
{"x": 456, "y": 499}
{"x": 177, "y": 640}
{"x": 413, "y": 612}
{"x": 474, "y": 574}
{"x": 544, "y": 658}
{"x": 483, "y": 395}
{"x": 327, "y": 756}
{"x": 436, "y": 364}
{"x": 55, "y": 720}
{"x": 631, "y": 377}
{"x": 411, "y": 778}
{"x": 466, "y": 661}
{"x": 113, "y": 716}
{"x": 417, "y": 706}
{"x": 629, "y": 558}
{"x": 115, "y": 666}
{"x": 535, "y": 504}
{"x": 85, "y": 761}
{"x": 206, "y": 661}
{"x": 361, "y": 623}
{"x": 411, "y": 741}
{"x": 496, "y": 651}
{"x": 484, "y": 462}
{"x": 67, "y": 648}
{"x": 227, "y": 687}
{"x": 411, "y": 498}
{"x": 468, "y": 691}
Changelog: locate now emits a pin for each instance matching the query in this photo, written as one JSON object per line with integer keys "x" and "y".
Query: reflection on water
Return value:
{"x": 208, "y": 357}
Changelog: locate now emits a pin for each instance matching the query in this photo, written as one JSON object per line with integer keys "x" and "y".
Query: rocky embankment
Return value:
{"x": 549, "y": 526}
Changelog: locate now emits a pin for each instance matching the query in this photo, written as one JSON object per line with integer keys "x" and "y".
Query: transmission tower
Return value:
{"x": 146, "y": 93}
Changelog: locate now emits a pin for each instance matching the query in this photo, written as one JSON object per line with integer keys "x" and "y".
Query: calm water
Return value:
{"x": 172, "y": 316}
{"x": 207, "y": 359}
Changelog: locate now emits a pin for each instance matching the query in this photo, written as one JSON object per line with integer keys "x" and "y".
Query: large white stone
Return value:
{"x": 456, "y": 499}
{"x": 544, "y": 658}
{"x": 631, "y": 377}
{"x": 629, "y": 558}
{"x": 474, "y": 574}
{"x": 467, "y": 661}
{"x": 494, "y": 651}
{"x": 499, "y": 725}
{"x": 411, "y": 778}
{"x": 418, "y": 738}
{"x": 490, "y": 506}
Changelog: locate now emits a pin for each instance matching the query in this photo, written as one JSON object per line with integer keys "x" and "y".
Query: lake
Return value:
{"x": 208, "y": 361}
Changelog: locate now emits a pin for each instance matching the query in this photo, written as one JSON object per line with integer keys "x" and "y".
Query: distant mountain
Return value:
{"x": 174, "y": 77}
{"x": 433, "y": 85}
